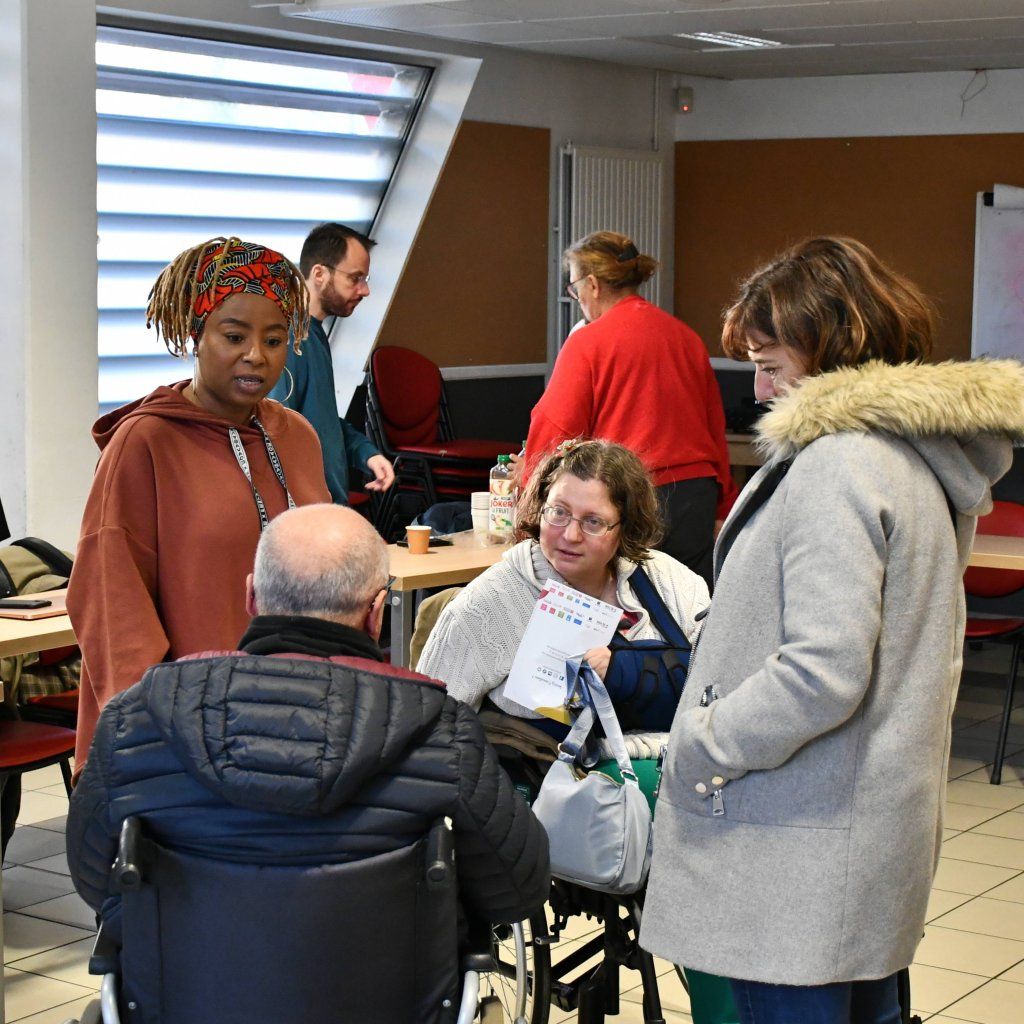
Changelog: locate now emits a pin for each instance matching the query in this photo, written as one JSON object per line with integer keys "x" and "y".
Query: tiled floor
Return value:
{"x": 969, "y": 967}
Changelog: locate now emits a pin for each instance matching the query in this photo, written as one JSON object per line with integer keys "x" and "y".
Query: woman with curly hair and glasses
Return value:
{"x": 589, "y": 518}
{"x": 191, "y": 474}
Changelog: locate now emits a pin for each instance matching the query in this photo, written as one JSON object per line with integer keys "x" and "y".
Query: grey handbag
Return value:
{"x": 599, "y": 830}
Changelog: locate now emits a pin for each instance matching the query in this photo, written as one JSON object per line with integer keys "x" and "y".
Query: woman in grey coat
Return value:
{"x": 800, "y": 814}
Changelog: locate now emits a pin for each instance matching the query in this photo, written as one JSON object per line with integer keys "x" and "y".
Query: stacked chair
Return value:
{"x": 1007, "y": 520}
{"x": 407, "y": 418}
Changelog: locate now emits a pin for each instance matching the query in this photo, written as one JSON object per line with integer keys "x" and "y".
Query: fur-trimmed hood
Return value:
{"x": 958, "y": 415}
{"x": 911, "y": 400}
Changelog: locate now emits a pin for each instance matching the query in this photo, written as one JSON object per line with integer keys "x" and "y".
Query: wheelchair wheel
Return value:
{"x": 521, "y": 981}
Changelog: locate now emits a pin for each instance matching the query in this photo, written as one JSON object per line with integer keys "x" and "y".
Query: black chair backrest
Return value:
{"x": 363, "y": 941}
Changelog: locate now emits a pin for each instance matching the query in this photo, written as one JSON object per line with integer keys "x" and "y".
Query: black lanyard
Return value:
{"x": 275, "y": 462}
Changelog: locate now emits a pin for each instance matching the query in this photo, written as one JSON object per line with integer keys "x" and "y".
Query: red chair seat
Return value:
{"x": 57, "y": 654}
{"x": 357, "y": 498}
{"x": 470, "y": 449}
{"x": 66, "y": 701}
{"x": 442, "y": 492}
{"x": 988, "y": 629}
{"x": 23, "y": 743}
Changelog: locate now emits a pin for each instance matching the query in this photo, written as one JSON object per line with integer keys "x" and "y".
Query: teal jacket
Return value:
{"x": 309, "y": 390}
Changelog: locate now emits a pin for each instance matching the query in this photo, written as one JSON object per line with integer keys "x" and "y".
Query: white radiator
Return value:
{"x": 609, "y": 190}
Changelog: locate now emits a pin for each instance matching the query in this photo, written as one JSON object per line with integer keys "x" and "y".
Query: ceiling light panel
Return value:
{"x": 733, "y": 40}
{"x": 555, "y": 10}
{"x": 419, "y": 18}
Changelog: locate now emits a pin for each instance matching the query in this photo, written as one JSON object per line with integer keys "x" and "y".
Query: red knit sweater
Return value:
{"x": 642, "y": 378}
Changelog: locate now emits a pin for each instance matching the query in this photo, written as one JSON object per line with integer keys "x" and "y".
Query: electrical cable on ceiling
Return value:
{"x": 966, "y": 96}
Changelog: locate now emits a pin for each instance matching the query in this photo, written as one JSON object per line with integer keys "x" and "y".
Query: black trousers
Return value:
{"x": 688, "y": 508}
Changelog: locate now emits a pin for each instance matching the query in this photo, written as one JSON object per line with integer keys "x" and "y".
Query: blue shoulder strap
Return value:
{"x": 656, "y": 608}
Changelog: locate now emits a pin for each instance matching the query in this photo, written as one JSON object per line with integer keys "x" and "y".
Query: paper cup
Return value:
{"x": 418, "y": 539}
{"x": 481, "y": 518}
{"x": 480, "y": 499}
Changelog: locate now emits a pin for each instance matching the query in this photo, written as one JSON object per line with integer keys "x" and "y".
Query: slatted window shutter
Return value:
{"x": 200, "y": 138}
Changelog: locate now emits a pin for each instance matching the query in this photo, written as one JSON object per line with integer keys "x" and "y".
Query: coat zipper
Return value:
{"x": 717, "y": 800}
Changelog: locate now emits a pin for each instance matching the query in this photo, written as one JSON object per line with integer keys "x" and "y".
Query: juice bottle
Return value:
{"x": 502, "y": 502}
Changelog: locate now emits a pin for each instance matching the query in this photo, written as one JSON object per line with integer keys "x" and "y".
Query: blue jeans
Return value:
{"x": 849, "y": 1002}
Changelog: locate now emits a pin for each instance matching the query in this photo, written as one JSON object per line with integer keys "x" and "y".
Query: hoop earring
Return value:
{"x": 291, "y": 386}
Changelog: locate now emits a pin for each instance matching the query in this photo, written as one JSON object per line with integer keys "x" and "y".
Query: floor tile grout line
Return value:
{"x": 963, "y": 996}
{"x": 999, "y": 812}
{"x": 57, "y": 1006}
{"x": 984, "y": 892}
{"x": 49, "y": 977}
{"x": 967, "y": 931}
{"x": 50, "y": 949}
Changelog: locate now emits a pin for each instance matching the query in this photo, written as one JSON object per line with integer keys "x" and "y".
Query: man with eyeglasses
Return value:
{"x": 335, "y": 261}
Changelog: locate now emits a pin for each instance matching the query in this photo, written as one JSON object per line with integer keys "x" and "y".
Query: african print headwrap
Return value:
{"x": 236, "y": 266}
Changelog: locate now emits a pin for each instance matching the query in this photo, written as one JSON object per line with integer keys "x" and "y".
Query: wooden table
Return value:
{"x": 469, "y": 555}
{"x": 992, "y": 552}
{"x": 20, "y": 637}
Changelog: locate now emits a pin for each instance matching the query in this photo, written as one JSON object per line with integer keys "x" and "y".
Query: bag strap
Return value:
{"x": 767, "y": 487}
{"x": 580, "y": 676}
{"x": 655, "y": 606}
{"x": 53, "y": 558}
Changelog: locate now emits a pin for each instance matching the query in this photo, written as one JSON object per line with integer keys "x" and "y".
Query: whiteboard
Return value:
{"x": 998, "y": 324}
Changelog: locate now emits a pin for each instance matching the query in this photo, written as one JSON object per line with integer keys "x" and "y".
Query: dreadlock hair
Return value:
{"x": 173, "y": 296}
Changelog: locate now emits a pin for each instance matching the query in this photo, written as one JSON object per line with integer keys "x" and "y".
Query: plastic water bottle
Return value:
{"x": 503, "y": 502}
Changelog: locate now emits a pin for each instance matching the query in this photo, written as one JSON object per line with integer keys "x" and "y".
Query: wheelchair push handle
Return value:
{"x": 440, "y": 856}
{"x": 127, "y": 865}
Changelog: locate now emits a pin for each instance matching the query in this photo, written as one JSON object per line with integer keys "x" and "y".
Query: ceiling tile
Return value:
{"x": 996, "y": 28}
{"x": 822, "y": 36}
{"x": 509, "y": 33}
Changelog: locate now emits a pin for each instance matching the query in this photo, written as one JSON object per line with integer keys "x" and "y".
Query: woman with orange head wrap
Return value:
{"x": 190, "y": 475}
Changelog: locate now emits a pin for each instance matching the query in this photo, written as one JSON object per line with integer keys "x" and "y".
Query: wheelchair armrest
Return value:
{"x": 482, "y": 963}
{"x": 478, "y": 951}
{"x": 105, "y": 958}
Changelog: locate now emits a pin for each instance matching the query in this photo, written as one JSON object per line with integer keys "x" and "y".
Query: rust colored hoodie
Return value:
{"x": 169, "y": 535}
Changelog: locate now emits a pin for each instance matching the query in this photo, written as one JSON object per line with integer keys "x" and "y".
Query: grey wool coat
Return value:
{"x": 800, "y": 815}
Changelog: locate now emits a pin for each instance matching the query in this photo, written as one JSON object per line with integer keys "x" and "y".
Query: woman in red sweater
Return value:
{"x": 641, "y": 378}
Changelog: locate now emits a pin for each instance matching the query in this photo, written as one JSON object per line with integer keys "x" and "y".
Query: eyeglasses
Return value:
{"x": 355, "y": 277}
{"x": 592, "y": 526}
{"x": 570, "y": 288}
{"x": 385, "y": 590}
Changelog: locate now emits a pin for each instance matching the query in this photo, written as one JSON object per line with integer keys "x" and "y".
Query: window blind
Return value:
{"x": 198, "y": 138}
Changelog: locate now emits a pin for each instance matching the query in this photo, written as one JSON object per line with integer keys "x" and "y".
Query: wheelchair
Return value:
{"x": 205, "y": 940}
{"x": 532, "y": 975}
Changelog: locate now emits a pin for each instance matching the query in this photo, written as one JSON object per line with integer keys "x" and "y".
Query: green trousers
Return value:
{"x": 710, "y": 996}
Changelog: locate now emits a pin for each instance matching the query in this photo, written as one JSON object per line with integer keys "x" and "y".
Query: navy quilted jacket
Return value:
{"x": 282, "y": 760}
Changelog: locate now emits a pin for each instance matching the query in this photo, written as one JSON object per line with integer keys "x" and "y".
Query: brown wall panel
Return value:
{"x": 474, "y": 291}
{"x": 911, "y": 199}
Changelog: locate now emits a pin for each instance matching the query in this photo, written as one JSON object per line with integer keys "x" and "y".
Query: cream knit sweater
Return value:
{"x": 477, "y": 635}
